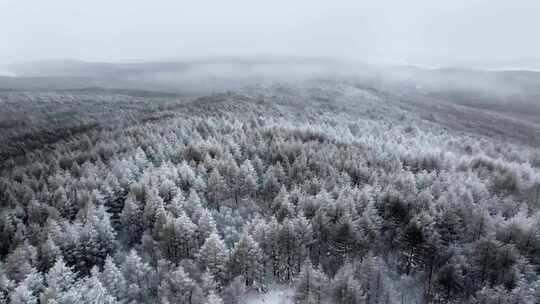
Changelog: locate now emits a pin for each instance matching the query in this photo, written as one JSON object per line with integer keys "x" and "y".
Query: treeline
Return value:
{"x": 229, "y": 197}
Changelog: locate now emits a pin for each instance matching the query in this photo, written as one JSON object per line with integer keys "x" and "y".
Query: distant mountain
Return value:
{"x": 77, "y": 68}
{"x": 195, "y": 76}
{"x": 513, "y": 92}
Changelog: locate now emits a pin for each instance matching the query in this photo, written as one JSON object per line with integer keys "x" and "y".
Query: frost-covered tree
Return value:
{"x": 345, "y": 288}
{"x": 139, "y": 278}
{"x": 21, "y": 261}
{"x": 232, "y": 294}
{"x": 177, "y": 238}
{"x": 216, "y": 189}
{"x": 178, "y": 287}
{"x": 206, "y": 225}
{"x": 213, "y": 299}
{"x": 112, "y": 279}
{"x": 246, "y": 261}
{"x": 60, "y": 279}
{"x": 311, "y": 285}
{"x": 23, "y": 295}
{"x": 208, "y": 283}
{"x": 131, "y": 219}
{"x": 213, "y": 256}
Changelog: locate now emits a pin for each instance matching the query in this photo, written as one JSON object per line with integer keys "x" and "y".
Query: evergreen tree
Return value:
{"x": 48, "y": 253}
{"x": 60, "y": 279}
{"x": 310, "y": 285}
{"x": 21, "y": 261}
{"x": 216, "y": 189}
{"x": 178, "y": 287}
{"x": 246, "y": 261}
{"x": 270, "y": 185}
{"x": 208, "y": 283}
{"x": 153, "y": 202}
{"x": 233, "y": 293}
{"x": 112, "y": 279}
{"x": 23, "y": 295}
{"x": 205, "y": 225}
{"x": 177, "y": 238}
{"x": 213, "y": 299}
{"x": 345, "y": 287}
{"x": 249, "y": 183}
{"x": 139, "y": 278}
{"x": 131, "y": 219}
{"x": 90, "y": 290}
{"x": 372, "y": 277}
{"x": 213, "y": 257}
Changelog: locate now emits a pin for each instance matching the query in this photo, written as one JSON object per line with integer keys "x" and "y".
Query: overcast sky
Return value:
{"x": 414, "y": 31}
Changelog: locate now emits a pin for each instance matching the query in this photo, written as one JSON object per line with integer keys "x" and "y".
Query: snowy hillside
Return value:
{"x": 342, "y": 192}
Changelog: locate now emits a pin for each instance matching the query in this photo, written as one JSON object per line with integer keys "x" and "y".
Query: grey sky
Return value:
{"x": 413, "y": 31}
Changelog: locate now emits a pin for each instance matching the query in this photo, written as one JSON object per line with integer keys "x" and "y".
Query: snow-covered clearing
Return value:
{"x": 276, "y": 295}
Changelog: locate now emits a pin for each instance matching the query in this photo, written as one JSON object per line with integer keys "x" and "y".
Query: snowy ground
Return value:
{"x": 276, "y": 295}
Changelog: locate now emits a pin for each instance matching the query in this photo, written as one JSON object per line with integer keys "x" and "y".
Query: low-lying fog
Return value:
{"x": 223, "y": 73}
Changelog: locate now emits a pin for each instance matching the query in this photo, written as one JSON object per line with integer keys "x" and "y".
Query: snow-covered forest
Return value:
{"x": 332, "y": 191}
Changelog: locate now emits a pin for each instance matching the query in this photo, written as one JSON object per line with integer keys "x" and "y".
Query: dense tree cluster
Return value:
{"x": 238, "y": 191}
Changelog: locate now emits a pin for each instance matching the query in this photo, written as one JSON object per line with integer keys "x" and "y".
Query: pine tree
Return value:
{"x": 177, "y": 204}
{"x": 131, "y": 219}
{"x": 23, "y": 295}
{"x": 177, "y": 238}
{"x": 208, "y": 283}
{"x": 193, "y": 203}
{"x": 249, "y": 183}
{"x": 321, "y": 234}
{"x": 281, "y": 206}
{"x": 213, "y": 299}
{"x": 369, "y": 226}
{"x": 216, "y": 189}
{"x": 20, "y": 262}
{"x": 34, "y": 282}
{"x": 373, "y": 280}
{"x": 111, "y": 277}
{"x": 168, "y": 190}
{"x": 310, "y": 285}
{"x": 205, "y": 225}
{"x": 345, "y": 287}
{"x": 59, "y": 280}
{"x": 178, "y": 287}
{"x": 6, "y": 285}
{"x": 287, "y": 250}
{"x": 187, "y": 176}
{"x": 140, "y": 159}
{"x": 92, "y": 291}
{"x": 270, "y": 185}
{"x": 233, "y": 293}
{"x": 246, "y": 261}
{"x": 213, "y": 257}
{"x": 95, "y": 240}
{"x": 48, "y": 253}
{"x": 139, "y": 278}
{"x": 63, "y": 205}
{"x": 231, "y": 174}
{"x": 153, "y": 202}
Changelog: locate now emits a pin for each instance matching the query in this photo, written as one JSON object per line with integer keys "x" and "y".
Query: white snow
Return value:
{"x": 276, "y": 295}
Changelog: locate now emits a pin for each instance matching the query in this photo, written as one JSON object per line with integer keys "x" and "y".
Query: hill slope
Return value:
{"x": 343, "y": 192}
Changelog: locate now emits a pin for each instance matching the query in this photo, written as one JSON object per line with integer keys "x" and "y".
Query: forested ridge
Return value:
{"x": 342, "y": 192}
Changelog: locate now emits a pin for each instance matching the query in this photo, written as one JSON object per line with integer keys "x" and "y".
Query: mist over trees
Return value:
{"x": 343, "y": 193}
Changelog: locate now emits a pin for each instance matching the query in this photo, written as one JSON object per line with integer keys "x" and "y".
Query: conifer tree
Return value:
{"x": 311, "y": 284}
{"x": 246, "y": 261}
{"x": 213, "y": 256}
